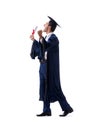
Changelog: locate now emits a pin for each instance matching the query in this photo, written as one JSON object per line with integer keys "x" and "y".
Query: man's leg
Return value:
{"x": 64, "y": 104}
{"x": 46, "y": 106}
{"x": 46, "y": 109}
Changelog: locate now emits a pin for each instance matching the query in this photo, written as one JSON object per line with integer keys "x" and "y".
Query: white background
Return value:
{"x": 19, "y": 78}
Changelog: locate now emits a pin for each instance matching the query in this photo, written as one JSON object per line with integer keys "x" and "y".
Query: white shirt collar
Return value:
{"x": 48, "y": 36}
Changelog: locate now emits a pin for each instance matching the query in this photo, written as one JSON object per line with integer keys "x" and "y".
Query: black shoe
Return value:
{"x": 45, "y": 114}
{"x": 66, "y": 113}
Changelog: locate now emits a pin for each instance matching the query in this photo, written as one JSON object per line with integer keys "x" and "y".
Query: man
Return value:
{"x": 47, "y": 50}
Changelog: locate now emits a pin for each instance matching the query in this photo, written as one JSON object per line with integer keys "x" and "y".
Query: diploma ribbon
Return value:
{"x": 34, "y": 30}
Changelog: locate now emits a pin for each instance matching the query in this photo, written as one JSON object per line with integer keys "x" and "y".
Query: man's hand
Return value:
{"x": 32, "y": 37}
{"x": 40, "y": 34}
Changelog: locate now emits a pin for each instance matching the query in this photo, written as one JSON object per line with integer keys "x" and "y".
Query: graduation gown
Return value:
{"x": 53, "y": 77}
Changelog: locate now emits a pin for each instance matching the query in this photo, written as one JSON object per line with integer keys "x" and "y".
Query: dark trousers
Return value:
{"x": 62, "y": 101}
{"x": 61, "y": 98}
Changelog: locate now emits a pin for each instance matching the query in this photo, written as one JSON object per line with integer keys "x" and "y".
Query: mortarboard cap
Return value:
{"x": 53, "y": 21}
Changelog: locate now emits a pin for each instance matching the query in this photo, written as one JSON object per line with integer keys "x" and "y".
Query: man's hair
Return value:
{"x": 53, "y": 25}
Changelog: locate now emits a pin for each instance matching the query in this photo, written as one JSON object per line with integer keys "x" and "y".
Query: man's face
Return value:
{"x": 46, "y": 27}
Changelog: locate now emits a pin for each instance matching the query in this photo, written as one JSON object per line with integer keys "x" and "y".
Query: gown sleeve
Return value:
{"x": 36, "y": 50}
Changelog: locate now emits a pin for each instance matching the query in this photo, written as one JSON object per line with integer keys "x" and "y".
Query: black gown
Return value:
{"x": 50, "y": 91}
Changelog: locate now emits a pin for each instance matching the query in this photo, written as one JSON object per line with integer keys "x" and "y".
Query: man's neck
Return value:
{"x": 48, "y": 32}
